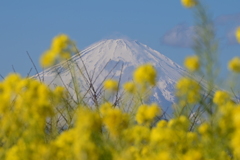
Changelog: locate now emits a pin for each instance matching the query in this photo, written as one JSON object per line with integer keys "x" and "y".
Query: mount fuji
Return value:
{"x": 117, "y": 58}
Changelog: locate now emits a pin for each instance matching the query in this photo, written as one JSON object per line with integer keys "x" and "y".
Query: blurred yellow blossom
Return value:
{"x": 47, "y": 59}
{"x": 192, "y": 63}
{"x": 115, "y": 121}
{"x": 204, "y": 128}
{"x": 88, "y": 120}
{"x": 238, "y": 34}
{"x": 189, "y": 3}
{"x": 164, "y": 155}
{"x": 105, "y": 107}
{"x": 192, "y": 136}
{"x": 162, "y": 123}
{"x": 188, "y": 90}
{"x": 193, "y": 155}
{"x": 146, "y": 114}
{"x": 64, "y": 142}
{"x": 234, "y": 65}
{"x": 221, "y": 97}
{"x": 129, "y": 87}
{"x": 180, "y": 123}
{"x": 236, "y": 116}
{"x": 145, "y": 74}
{"x": 61, "y": 49}
{"x": 111, "y": 85}
{"x": 137, "y": 134}
{"x": 60, "y": 43}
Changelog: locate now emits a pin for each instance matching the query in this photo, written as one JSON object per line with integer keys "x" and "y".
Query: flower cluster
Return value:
{"x": 25, "y": 106}
{"x": 189, "y": 3}
{"x": 146, "y": 113}
{"x": 234, "y": 65}
{"x": 238, "y": 34}
{"x": 145, "y": 74}
{"x": 109, "y": 132}
{"x": 188, "y": 91}
{"x": 192, "y": 63}
{"x": 130, "y": 87}
{"x": 111, "y": 85}
{"x": 221, "y": 97}
{"x": 61, "y": 49}
{"x": 89, "y": 137}
{"x": 115, "y": 120}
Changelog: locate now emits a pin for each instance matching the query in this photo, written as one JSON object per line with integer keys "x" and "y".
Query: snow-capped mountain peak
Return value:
{"x": 115, "y": 57}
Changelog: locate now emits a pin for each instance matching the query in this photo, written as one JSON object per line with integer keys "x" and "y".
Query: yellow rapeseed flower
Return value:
{"x": 180, "y": 123}
{"x": 238, "y": 34}
{"x": 193, "y": 154}
{"x": 189, "y": 3}
{"x": 111, "y": 85}
{"x": 234, "y": 65}
{"x": 192, "y": 63}
{"x": 164, "y": 155}
{"x": 192, "y": 136}
{"x": 162, "y": 123}
{"x": 12, "y": 153}
{"x": 115, "y": 121}
{"x": 12, "y": 80}
{"x": 146, "y": 114}
{"x": 65, "y": 141}
{"x": 137, "y": 134}
{"x": 140, "y": 116}
{"x": 145, "y": 74}
{"x": 59, "y": 90}
{"x": 129, "y": 87}
{"x": 221, "y": 97}
{"x": 88, "y": 120}
{"x": 105, "y": 107}
{"x": 235, "y": 143}
{"x": 204, "y": 128}
{"x": 153, "y": 111}
{"x": 60, "y": 42}
{"x": 188, "y": 90}
{"x": 65, "y": 55}
{"x": 61, "y": 49}
{"x": 236, "y": 116}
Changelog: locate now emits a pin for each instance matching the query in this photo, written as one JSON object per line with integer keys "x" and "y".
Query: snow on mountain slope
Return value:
{"x": 114, "y": 57}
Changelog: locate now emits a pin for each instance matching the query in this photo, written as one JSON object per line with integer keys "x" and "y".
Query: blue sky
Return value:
{"x": 163, "y": 25}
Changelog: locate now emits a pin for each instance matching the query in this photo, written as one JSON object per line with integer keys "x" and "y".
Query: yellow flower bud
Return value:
{"x": 129, "y": 87}
{"x": 221, "y": 97}
{"x": 111, "y": 85}
{"x": 234, "y": 65}
{"x": 145, "y": 74}
{"x": 192, "y": 63}
{"x": 238, "y": 34}
{"x": 189, "y": 3}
